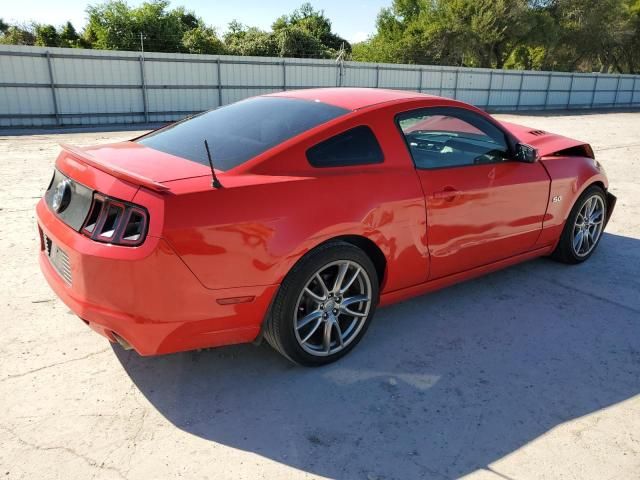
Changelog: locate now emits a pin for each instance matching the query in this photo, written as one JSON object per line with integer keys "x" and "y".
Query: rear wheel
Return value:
{"x": 324, "y": 305}
{"x": 584, "y": 227}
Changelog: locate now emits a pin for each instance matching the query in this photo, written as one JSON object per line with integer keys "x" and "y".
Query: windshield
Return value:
{"x": 240, "y": 131}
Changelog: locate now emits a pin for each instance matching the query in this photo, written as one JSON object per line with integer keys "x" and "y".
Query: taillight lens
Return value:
{"x": 116, "y": 222}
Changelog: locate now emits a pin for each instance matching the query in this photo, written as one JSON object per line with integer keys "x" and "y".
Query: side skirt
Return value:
{"x": 432, "y": 285}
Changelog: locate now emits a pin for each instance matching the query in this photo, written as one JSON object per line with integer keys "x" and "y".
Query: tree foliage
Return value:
{"x": 570, "y": 35}
{"x": 114, "y": 25}
{"x": 525, "y": 34}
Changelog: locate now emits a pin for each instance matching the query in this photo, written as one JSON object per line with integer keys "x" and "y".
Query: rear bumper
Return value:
{"x": 147, "y": 295}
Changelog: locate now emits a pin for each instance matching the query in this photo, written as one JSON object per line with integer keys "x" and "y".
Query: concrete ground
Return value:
{"x": 532, "y": 372}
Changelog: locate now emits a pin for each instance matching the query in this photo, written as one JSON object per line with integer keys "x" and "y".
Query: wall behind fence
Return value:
{"x": 41, "y": 86}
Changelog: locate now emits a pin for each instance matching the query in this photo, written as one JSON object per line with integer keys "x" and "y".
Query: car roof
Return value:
{"x": 352, "y": 98}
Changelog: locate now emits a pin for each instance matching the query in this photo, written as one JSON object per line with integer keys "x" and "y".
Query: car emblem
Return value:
{"x": 62, "y": 196}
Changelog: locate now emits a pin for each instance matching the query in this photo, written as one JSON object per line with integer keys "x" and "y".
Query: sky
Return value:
{"x": 353, "y": 20}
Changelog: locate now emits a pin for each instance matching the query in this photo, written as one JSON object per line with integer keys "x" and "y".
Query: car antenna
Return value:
{"x": 214, "y": 179}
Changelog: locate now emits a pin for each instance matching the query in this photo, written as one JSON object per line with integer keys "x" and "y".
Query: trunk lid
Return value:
{"x": 137, "y": 164}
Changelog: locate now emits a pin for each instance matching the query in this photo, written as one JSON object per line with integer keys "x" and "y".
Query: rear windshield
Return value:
{"x": 240, "y": 131}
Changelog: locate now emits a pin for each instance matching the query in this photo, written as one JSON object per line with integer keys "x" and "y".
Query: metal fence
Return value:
{"x": 42, "y": 86}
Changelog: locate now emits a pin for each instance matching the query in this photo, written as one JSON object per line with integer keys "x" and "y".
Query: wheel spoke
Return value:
{"x": 577, "y": 241}
{"x": 587, "y": 240}
{"x": 314, "y": 295}
{"x": 309, "y": 318}
{"x": 342, "y": 271}
{"x": 351, "y": 280}
{"x": 355, "y": 299}
{"x": 348, "y": 311}
{"x": 339, "y": 332}
{"x": 325, "y": 290}
{"x": 312, "y": 331}
{"x": 326, "y": 340}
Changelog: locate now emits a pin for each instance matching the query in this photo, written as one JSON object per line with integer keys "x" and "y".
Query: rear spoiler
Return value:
{"x": 112, "y": 170}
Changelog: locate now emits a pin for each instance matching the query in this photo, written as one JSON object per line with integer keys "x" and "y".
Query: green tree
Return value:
{"x": 202, "y": 39}
{"x": 307, "y": 32}
{"x": 480, "y": 33}
{"x": 116, "y": 26}
{"x": 243, "y": 40}
{"x": 3, "y": 26}
{"x": 18, "y": 35}
{"x": 46, "y": 36}
{"x": 69, "y": 37}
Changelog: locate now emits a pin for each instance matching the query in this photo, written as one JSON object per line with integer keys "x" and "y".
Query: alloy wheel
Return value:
{"x": 332, "y": 308}
{"x": 588, "y": 226}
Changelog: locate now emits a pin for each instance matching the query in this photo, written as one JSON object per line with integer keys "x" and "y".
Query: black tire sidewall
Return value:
{"x": 282, "y": 315}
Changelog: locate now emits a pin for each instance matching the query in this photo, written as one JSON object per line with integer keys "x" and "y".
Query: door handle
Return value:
{"x": 447, "y": 194}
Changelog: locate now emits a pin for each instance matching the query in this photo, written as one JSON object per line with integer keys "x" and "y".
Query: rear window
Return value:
{"x": 240, "y": 131}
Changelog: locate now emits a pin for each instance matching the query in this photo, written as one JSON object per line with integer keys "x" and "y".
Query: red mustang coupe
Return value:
{"x": 291, "y": 216}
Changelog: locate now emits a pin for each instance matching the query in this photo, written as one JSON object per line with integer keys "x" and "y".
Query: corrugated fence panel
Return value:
{"x": 358, "y": 75}
{"x": 42, "y": 86}
{"x": 399, "y": 78}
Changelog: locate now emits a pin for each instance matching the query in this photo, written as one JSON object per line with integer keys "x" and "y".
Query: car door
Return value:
{"x": 482, "y": 205}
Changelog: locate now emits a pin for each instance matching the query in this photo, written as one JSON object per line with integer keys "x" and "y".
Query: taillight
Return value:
{"x": 116, "y": 222}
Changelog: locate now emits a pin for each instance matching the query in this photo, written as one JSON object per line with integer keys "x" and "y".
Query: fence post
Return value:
{"x": 420, "y": 80}
{"x": 440, "y": 86}
{"x": 339, "y": 73}
{"x": 593, "y": 93}
{"x": 615, "y": 99}
{"x": 284, "y": 75}
{"x": 490, "y": 89}
{"x": 573, "y": 75}
{"x": 53, "y": 89}
{"x": 377, "y": 75}
{"x": 633, "y": 90}
{"x": 546, "y": 95}
{"x": 143, "y": 86}
{"x": 520, "y": 91}
{"x": 455, "y": 88}
{"x": 219, "y": 70}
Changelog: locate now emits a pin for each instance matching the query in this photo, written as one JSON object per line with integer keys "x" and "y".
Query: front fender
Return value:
{"x": 570, "y": 177}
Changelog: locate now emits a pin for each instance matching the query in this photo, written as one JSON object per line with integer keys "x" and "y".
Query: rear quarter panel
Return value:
{"x": 254, "y": 230}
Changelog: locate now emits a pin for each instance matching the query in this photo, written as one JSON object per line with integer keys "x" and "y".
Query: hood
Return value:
{"x": 546, "y": 143}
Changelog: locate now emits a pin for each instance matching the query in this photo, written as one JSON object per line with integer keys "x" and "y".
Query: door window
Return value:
{"x": 451, "y": 137}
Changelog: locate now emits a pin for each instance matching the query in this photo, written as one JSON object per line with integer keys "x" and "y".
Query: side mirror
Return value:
{"x": 526, "y": 153}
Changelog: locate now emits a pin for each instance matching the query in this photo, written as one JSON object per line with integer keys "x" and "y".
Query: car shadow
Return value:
{"x": 441, "y": 385}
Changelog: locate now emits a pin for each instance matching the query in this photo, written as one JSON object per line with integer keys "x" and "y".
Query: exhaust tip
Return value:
{"x": 122, "y": 342}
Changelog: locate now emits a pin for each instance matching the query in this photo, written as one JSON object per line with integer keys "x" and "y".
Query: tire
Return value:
{"x": 304, "y": 310}
{"x": 566, "y": 251}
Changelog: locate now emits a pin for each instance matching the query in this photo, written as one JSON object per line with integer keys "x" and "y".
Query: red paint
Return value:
{"x": 213, "y": 258}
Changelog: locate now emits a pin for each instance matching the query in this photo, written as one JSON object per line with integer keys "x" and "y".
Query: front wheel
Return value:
{"x": 584, "y": 227}
{"x": 324, "y": 305}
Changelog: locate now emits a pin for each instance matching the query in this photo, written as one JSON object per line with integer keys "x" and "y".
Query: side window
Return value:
{"x": 451, "y": 137}
{"x": 357, "y": 146}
